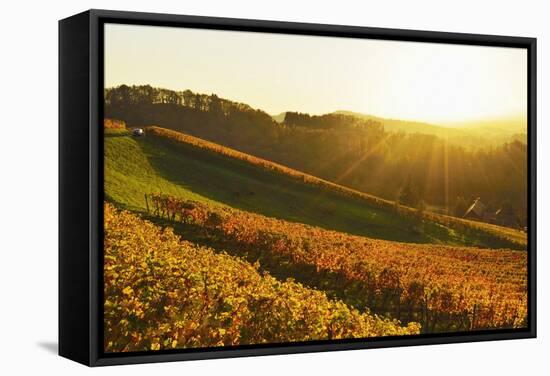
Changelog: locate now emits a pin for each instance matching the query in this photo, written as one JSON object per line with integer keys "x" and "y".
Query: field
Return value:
{"x": 207, "y": 246}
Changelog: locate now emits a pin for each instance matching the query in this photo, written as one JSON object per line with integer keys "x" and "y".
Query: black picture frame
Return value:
{"x": 81, "y": 184}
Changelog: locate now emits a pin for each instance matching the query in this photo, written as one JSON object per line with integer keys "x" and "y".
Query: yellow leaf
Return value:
{"x": 128, "y": 291}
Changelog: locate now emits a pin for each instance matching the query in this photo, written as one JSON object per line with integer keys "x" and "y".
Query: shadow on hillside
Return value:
{"x": 246, "y": 187}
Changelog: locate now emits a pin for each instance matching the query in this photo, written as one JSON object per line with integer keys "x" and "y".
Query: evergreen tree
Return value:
{"x": 408, "y": 195}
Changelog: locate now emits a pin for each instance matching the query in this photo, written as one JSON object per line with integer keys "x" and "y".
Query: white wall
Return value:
{"x": 28, "y": 187}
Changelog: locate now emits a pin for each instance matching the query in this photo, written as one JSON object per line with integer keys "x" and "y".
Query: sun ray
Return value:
{"x": 357, "y": 163}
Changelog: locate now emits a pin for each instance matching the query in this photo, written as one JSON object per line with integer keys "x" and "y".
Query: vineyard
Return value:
{"x": 239, "y": 250}
{"x": 444, "y": 288}
{"x": 164, "y": 293}
{"x": 517, "y": 239}
{"x": 206, "y": 172}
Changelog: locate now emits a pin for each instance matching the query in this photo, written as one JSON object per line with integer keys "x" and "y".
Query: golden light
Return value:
{"x": 437, "y": 83}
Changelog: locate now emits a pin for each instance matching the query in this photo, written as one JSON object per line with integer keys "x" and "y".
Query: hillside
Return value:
{"x": 200, "y": 298}
{"x": 180, "y": 165}
{"x": 396, "y": 125}
{"x": 467, "y": 285}
{"x": 348, "y": 150}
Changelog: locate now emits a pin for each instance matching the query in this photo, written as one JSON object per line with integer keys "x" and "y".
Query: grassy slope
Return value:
{"x": 134, "y": 166}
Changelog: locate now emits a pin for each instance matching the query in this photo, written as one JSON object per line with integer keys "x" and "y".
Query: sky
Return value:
{"x": 436, "y": 83}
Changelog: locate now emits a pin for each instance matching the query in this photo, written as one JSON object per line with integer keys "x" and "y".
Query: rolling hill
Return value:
{"x": 193, "y": 169}
{"x": 280, "y": 117}
{"x": 347, "y": 150}
{"x": 395, "y": 125}
{"x": 466, "y": 133}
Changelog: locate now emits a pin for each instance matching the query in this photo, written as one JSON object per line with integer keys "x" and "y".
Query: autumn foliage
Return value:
{"x": 444, "y": 288}
{"x": 164, "y": 293}
{"x": 114, "y": 124}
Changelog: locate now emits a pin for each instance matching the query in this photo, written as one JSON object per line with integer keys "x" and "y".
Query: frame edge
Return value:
{"x": 93, "y": 356}
{"x": 74, "y": 247}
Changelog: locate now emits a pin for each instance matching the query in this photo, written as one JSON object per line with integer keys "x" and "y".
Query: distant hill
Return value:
{"x": 515, "y": 124}
{"x": 473, "y": 134}
{"x": 279, "y": 118}
{"x": 394, "y": 125}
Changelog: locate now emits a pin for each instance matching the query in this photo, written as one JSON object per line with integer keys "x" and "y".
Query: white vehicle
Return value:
{"x": 138, "y": 132}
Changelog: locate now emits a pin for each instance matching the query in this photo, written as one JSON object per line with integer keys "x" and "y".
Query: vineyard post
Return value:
{"x": 146, "y": 202}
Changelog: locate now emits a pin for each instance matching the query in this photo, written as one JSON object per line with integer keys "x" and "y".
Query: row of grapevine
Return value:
{"x": 163, "y": 293}
{"x": 444, "y": 288}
